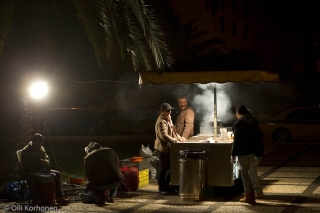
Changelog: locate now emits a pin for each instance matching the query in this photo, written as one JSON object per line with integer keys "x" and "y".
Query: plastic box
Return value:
{"x": 140, "y": 165}
{"x": 73, "y": 191}
{"x": 143, "y": 178}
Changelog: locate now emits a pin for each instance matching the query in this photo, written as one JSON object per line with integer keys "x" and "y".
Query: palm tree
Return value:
{"x": 131, "y": 26}
{"x": 187, "y": 40}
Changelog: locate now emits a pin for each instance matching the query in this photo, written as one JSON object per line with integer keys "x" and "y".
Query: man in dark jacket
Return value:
{"x": 247, "y": 144}
{"x": 101, "y": 166}
{"x": 34, "y": 159}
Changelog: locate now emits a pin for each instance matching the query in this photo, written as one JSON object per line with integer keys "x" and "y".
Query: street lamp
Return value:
{"x": 38, "y": 90}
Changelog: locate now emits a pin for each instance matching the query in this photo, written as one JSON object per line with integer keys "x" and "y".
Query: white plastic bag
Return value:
{"x": 154, "y": 164}
{"x": 145, "y": 151}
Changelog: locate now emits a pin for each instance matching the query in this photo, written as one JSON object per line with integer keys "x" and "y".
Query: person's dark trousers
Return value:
{"x": 163, "y": 174}
{"x": 58, "y": 183}
{"x": 158, "y": 153}
{"x": 98, "y": 193}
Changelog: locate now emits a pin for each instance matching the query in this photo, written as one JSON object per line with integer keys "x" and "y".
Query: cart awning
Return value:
{"x": 204, "y": 77}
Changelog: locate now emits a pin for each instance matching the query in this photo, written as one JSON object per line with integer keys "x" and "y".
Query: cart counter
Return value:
{"x": 218, "y": 169}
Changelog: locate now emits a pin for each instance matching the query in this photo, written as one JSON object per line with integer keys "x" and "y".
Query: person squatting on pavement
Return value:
{"x": 101, "y": 167}
{"x": 247, "y": 144}
{"x": 185, "y": 120}
{"x": 34, "y": 159}
{"x": 165, "y": 135}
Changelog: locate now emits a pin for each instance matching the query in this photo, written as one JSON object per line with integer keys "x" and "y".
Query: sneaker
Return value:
{"x": 62, "y": 200}
{"x": 258, "y": 194}
{"x": 169, "y": 192}
{"x": 165, "y": 193}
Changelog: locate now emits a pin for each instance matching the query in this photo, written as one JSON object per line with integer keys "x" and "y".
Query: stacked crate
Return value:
{"x": 143, "y": 178}
{"x": 143, "y": 168}
{"x": 73, "y": 191}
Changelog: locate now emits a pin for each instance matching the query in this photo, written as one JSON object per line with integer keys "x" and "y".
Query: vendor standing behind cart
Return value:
{"x": 165, "y": 135}
{"x": 185, "y": 119}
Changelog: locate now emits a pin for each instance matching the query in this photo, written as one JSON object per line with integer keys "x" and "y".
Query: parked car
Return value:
{"x": 68, "y": 121}
{"x": 292, "y": 124}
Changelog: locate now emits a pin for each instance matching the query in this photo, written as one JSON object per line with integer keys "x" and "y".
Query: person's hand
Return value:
{"x": 233, "y": 159}
{"x": 181, "y": 140}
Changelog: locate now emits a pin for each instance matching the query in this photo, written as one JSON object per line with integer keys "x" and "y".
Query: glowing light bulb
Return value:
{"x": 38, "y": 90}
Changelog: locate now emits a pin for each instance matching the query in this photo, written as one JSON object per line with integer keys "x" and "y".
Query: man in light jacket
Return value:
{"x": 185, "y": 120}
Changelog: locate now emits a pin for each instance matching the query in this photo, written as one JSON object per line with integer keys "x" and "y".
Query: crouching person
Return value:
{"x": 34, "y": 160}
{"x": 101, "y": 166}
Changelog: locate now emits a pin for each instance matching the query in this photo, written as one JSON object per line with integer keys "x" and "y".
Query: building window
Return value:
{"x": 222, "y": 25}
{"x": 234, "y": 28}
{"x": 245, "y": 10}
{"x": 234, "y": 6}
{"x": 245, "y": 30}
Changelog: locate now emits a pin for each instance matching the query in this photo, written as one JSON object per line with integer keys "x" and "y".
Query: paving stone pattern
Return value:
{"x": 290, "y": 176}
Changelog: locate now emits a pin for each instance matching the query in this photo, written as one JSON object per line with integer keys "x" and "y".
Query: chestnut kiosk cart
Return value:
{"x": 218, "y": 171}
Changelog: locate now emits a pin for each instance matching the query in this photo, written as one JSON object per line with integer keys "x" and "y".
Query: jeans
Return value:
{"x": 254, "y": 175}
{"x": 246, "y": 162}
{"x": 163, "y": 174}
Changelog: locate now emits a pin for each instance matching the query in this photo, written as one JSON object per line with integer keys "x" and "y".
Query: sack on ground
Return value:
{"x": 130, "y": 178}
{"x": 153, "y": 166}
{"x": 145, "y": 151}
{"x": 12, "y": 189}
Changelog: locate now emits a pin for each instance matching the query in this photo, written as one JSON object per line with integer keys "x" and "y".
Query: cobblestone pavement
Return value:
{"x": 290, "y": 176}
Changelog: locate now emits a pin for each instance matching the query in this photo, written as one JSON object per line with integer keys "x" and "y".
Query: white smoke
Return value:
{"x": 204, "y": 105}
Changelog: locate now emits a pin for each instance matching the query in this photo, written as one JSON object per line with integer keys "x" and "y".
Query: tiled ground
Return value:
{"x": 288, "y": 186}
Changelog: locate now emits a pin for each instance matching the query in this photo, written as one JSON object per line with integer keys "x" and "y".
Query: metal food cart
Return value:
{"x": 218, "y": 169}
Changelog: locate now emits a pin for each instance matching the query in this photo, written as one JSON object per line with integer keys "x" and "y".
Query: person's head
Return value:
{"x": 37, "y": 140}
{"x": 92, "y": 146}
{"x": 241, "y": 111}
{"x": 165, "y": 109}
{"x": 182, "y": 103}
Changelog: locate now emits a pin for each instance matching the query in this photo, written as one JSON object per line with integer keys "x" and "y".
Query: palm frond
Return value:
{"x": 148, "y": 18}
{"x": 114, "y": 26}
{"x": 90, "y": 12}
{"x": 138, "y": 46}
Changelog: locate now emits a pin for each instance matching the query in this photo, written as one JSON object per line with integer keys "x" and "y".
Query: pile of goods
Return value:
{"x": 131, "y": 178}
